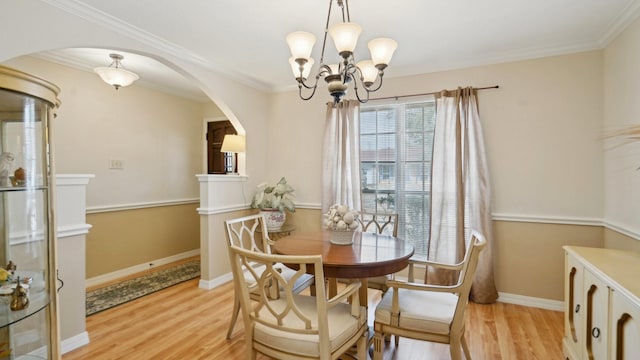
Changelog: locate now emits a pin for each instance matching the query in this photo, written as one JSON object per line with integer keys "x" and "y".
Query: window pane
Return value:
{"x": 386, "y": 147}
{"x": 368, "y": 148}
{"x": 414, "y": 119}
{"x": 414, "y": 178}
{"x": 387, "y": 177}
{"x": 416, "y": 220}
{"x": 367, "y": 122}
{"x": 368, "y": 177}
{"x": 369, "y": 201}
{"x": 386, "y": 121}
{"x": 414, "y": 147}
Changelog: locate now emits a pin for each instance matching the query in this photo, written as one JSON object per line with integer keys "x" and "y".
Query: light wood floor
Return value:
{"x": 185, "y": 322}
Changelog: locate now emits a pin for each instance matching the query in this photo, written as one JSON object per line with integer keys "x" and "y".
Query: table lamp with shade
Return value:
{"x": 231, "y": 145}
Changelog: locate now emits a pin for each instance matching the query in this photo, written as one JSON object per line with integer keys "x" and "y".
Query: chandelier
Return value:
{"x": 368, "y": 73}
{"x": 115, "y": 75}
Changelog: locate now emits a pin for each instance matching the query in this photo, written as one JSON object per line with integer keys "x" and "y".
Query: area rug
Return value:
{"x": 125, "y": 291}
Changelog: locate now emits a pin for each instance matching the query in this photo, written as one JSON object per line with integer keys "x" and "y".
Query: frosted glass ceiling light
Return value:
{"x": 345, "y": 35}
{"x": 115, "y": 75}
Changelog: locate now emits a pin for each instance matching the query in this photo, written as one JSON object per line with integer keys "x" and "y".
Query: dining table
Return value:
{"x": 369, "y": 255}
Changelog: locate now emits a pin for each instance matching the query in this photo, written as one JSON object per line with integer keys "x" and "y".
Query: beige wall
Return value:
{"x": 529, "y": 259}
{"x": 622, "y": 110}
{"x": 157, "y": 135}
{"x": 616, "y": 240}
{"x": 122, "y": 239}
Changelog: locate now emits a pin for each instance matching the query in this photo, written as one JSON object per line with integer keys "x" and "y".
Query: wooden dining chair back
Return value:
{"x": 251, "y": 233}
{"x": 429, "y": 312}
{"x": 384, "y": 224}
{"x": 295, "y": 326}
{"x": 379, "y": 223}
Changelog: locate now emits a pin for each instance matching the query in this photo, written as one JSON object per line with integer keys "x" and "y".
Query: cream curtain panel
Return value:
{"x": 341, "y": 155}
{"x": 460, "y": 190}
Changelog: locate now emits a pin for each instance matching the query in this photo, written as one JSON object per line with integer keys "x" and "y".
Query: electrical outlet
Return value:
{"x": 116, "y": 164}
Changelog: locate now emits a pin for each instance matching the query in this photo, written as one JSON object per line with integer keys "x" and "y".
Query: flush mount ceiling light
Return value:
{"x": 345, "y": 36}
{"x": 115, "y": 75}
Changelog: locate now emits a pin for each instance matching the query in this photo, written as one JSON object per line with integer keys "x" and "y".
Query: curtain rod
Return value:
{"x": 431, "y": 93}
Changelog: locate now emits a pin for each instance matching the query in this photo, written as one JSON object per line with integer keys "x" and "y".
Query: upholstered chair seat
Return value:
{"x": 342, "y": 327}
{"x": 442, "y": 307}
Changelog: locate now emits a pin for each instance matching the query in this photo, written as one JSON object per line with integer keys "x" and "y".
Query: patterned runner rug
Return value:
{"x": 120, "y": 293}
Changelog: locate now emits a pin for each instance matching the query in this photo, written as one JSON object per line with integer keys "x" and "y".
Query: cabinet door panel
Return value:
{"x": 597, "y": 307}
{"x": 574, "y": 324}
{"x": 625, "y": 328}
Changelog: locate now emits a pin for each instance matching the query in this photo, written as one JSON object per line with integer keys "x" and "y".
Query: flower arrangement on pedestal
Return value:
{"x": 272, "y": 200}
{"x": 343, "y": 222}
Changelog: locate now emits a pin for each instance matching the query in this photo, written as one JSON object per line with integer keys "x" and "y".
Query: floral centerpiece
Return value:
{"x": 273, "y": 200}
{"x": 343, "y": 221}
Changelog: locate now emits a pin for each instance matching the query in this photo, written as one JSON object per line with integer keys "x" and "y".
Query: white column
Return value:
{"x": 71, "y": 242}
{"x": 219, "y": 194}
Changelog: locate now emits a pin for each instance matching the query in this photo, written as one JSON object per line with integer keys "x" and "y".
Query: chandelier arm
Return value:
{"x": 312, "y": 92}
{"x": 301, "y": 83}
{"x": 355, "y": 88}
{"x": 380, "y": 75}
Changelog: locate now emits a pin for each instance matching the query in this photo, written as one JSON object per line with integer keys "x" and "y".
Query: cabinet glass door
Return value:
{"x": 25, "y": 219}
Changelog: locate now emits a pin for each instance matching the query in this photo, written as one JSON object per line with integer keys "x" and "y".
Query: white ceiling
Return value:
{"x": 245, "y": 39}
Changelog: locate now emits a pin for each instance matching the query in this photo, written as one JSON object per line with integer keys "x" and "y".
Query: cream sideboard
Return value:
{"x": 602, "y": 304}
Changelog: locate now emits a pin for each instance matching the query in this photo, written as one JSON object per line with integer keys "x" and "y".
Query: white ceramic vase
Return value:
{"x": 273, "y": 218}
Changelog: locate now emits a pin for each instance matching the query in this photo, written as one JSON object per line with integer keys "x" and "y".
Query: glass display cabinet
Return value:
{"x": 28, "y": 319}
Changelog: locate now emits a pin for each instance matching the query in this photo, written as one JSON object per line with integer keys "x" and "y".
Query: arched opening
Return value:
{"x": 144, "y": 143}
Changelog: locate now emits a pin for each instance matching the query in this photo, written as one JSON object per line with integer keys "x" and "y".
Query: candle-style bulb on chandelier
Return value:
{"x": 366, "y": 75}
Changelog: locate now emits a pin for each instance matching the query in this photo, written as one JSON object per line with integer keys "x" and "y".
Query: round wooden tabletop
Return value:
{"x": 369, "y": 255}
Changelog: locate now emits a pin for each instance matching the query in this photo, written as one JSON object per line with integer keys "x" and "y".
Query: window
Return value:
{"x": 396, "y": 143}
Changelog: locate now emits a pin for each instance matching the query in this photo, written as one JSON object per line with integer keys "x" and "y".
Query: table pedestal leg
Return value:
{"x": 364, "y": 301}
{"x": 333, "y": 287}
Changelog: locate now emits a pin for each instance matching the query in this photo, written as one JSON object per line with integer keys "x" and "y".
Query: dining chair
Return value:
{"x": 295, "y": 326}
{"x": 243, "y": 232}
{"x": 429, "y": 312}
{"x": 379, "y": 223}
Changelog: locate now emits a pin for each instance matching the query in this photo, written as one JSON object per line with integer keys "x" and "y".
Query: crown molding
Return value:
{"x": 95, "y": 16}
{"x": 627, "y": 15}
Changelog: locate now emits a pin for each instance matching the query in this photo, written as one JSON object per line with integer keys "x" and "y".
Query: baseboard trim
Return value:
{"x": 97, "y": 280}
{"x": 531, "y": 301}
{"x": 74, "y": 342}
{"x": 214, "y": 283}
